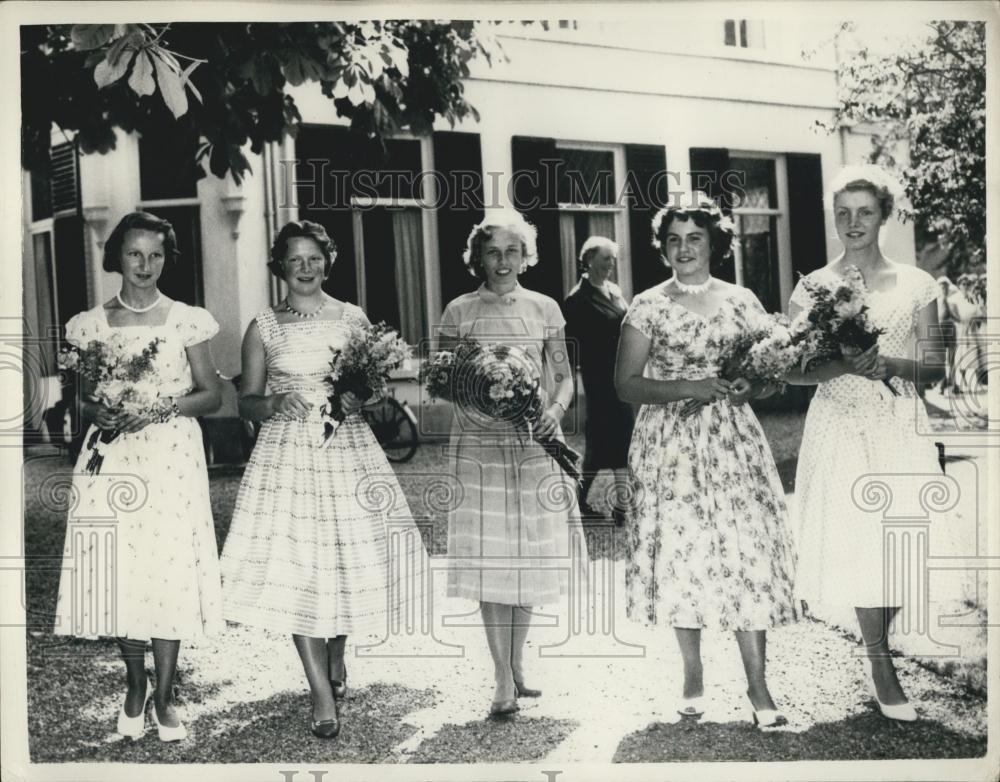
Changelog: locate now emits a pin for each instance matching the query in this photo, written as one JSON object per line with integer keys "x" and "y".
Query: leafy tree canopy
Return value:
{"x": 930, "y": 92}
{"x": 225, "y": 83}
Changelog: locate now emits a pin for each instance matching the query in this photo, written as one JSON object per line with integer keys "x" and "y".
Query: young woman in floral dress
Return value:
{"x": 707, "y": 537}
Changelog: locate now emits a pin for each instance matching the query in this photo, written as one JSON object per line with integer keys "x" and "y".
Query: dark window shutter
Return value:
{"x": 646, "y": 165}
{"x": 536, "y": 200}
{"x": 458, "y": 158}
{"x": 709, "y": 166}
{"x": 320, "y": 151}
{"x": 71, "y": 266}
{"x": 805, "y": 213}
{"x": 65, "y": 178}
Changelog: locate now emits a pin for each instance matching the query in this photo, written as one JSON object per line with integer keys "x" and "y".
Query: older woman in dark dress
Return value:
{"x": 594, "y": 310}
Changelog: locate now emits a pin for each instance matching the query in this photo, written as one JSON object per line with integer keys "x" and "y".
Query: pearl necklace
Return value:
{"x": 699, "y": 288}
{"x": 138, "y": 310}
{"x": 297, "y": 314}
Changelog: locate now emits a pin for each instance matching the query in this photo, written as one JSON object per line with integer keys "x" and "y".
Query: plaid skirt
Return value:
{"x": 514, "y": 535}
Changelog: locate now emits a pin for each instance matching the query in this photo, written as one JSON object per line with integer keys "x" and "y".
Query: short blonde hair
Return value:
{"x": 871, "y": 178}
{"x": 506, "y": 220}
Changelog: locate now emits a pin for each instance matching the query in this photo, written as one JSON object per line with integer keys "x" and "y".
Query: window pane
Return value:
{"x": 394, "y": 270}
{"x": 394, "y": 175}
{"x": 167, "y": 167}
{"x": 759, "y": 183}
{"x": 730, "y": 32}
{"x": 758, "y": 243}
{"x": 587, "y": 176}
{"x": 181, "y": 279}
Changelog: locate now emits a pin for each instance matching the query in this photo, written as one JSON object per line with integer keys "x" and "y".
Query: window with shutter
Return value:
{"x": 168, "y": 187}
{"x": 371, "y": 200}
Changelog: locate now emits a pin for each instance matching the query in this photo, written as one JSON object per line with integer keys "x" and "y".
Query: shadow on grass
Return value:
{"x": 510, "y": 740}
{"x": 862, "y": 737}
{"x": 272, "y": 730}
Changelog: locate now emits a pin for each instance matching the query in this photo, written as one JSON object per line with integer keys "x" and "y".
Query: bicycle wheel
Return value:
{"x": 395, "y": 428}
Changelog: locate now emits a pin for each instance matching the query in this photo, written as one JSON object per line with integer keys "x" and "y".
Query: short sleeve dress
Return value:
{"x": 856, "y": 427}
{"x": 511, "y": 535}
{"x": 708, "y": 541}
{"x": 308, "y": 550}
{"x": 147, "y": 513}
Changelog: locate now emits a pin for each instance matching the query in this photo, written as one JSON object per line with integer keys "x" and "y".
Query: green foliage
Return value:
{"x": 932, "y": 94}
{"x": 226, "y": 82}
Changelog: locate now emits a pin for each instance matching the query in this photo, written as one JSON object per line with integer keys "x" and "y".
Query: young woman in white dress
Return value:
{"x": 855, "y": 426}
{"x": 167, "y": 568}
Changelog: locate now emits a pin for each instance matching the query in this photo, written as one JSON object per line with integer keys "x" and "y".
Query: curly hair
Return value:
{"x": 306, "y": 230}
{"x": 706, "y": 214}
{"x": 502, "y": 219}
{"x": 138, "y": 221}
{"x": 869, "y": 178}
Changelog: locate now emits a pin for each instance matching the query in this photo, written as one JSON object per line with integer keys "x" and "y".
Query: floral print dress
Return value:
{"x": 707, "y": 540}
{"x": 140, "y": 559}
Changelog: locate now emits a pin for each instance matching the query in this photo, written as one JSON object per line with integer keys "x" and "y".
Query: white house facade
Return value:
{"x": 586, "y": 129}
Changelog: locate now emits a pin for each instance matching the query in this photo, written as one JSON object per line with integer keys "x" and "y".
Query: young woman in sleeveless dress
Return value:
{"x": 306, "y": 554}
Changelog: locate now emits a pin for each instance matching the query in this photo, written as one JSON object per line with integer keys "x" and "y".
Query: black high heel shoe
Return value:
{"x": 526, "y": 692}
{"x": 325, "y": 729}
{"x": 502, "y": 709}
{"x": 339, "y": 687}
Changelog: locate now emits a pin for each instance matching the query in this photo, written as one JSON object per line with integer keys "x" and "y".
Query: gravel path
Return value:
{"x": 608, "y": 696}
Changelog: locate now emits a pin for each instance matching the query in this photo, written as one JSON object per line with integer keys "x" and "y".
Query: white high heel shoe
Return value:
{"x": 165, "y": 732}
{"x": 903, "y": 712}
{"x": 134, "y": 727}
{"x": 766, "y": 718}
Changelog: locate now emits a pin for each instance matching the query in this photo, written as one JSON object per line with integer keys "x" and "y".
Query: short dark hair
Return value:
{"x": 138, "y": 221}
{"x": 305, "y": 230}
{"x": 705, "y": 214}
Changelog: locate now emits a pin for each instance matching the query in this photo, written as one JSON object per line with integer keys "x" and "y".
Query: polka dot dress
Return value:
{"x": 140, "y": 559}
{"x": 857, "y": 428}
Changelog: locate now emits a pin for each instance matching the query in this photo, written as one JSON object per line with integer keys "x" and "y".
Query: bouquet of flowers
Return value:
{"x": 764, "y": 354}
{"x": 500, "y": 382}
{"x": 973, "y": 286}
{"x": 122, "y": 379}
{"x": 361, "y": 366}
{"x": 839, "y": 319}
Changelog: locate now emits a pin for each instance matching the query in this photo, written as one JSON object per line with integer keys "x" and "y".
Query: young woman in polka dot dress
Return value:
{"x": 856, "y": 426}
{"x": 153, "y": 485}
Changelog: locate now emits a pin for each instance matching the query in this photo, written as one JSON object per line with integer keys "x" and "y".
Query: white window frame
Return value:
{"x": 428, "y": 225}
{"x": 780, "y": 212}
{"x": 619, "y": 210}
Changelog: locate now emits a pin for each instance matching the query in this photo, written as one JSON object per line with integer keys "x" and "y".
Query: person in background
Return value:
{"x": 594, "y": 311}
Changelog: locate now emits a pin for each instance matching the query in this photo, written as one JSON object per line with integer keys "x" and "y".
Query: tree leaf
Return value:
{"x": 108, "y": 72}
{"x": 141, "y": 80}
{"x": 186, "y": 78}
{"x": 91, "y": 36}
{"x": 171, "y": 86}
